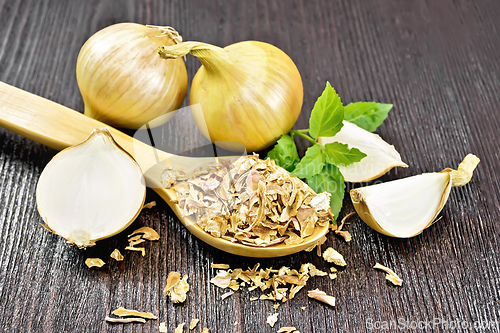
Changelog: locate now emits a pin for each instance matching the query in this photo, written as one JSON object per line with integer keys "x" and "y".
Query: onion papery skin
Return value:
{"x": 250, "y": 93}
{"x": 122, "y": 80}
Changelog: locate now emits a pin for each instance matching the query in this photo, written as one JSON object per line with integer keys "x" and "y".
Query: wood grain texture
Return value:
{"x": 436, "y": 61}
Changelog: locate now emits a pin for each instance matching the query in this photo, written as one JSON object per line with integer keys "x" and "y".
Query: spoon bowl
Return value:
{"x": 59, "y": 127}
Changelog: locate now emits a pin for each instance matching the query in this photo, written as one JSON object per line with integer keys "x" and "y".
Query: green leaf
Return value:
{"x": 367, "y": 115}
{"x": 327, "y": 114}
{"x": 311, "y": 164}
{"x": 285, "y": 153}
{"x": 339, "y": 154}
{"x": 332, "y": 181}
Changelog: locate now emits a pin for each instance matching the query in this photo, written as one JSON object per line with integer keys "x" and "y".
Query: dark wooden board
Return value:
{"x": 436, "y": 61}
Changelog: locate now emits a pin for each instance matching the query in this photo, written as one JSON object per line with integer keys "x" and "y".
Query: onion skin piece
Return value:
{"x": 250, "y": 92}
{"x": 122, "y": 80}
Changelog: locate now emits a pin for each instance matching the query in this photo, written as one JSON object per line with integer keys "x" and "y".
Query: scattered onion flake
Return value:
{"x": 94, "y": 262}
{"x": 135, "y": 242}
{"x": 162, "y": 328}
{"x": 138, "y": 249}
{"x": 333, "y": 256}
{"x": 226, "y": 295}
{"x": 122, "y": 312}
{"x": 320, "y": 242}
{"x": 288, "y": 329}
{"x": 205, "y": 330}
{"x": 222, "y": 279}
{"x": 193, "y": 323}
{"x": 147, "y": 233}
{"x": 179, "y": 328}
{"x": 321, "y": 296}
{"x": 176, "y": 287}
{"x": 344, "y": 233}
{"x": 272, "y": 319}
{"x": 219, "y": 266}
{"x": 116, "y": 255}
{"x": 391, "y": 276}
{"x": 125, "y": 320}
{"x": 149, "y": 205}
{"x": 274, "y": 283}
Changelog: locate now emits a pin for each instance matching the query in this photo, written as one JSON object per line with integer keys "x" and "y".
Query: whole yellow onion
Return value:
{"x": 122, "y": 80}
{"x": 249, "y": 92}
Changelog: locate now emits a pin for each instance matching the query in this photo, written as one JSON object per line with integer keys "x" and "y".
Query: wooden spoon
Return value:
{"x": 58, "y": 127}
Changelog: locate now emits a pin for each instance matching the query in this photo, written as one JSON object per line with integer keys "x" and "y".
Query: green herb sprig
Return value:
{"x": 319, "y": 166}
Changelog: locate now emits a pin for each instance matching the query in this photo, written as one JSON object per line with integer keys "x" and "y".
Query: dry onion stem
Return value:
{"x": 251, "y": 202}
{"x": 219, "y": 266}
{"x": 391, "y": 276}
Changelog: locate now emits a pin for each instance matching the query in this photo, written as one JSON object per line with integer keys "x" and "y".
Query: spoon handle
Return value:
{"x": 58, "y": 127}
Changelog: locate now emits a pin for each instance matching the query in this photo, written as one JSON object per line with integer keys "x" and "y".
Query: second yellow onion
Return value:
{"x": 250, "y": 93}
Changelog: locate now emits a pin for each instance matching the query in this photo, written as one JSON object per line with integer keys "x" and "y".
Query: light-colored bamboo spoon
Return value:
{"x": 58, "y": 127}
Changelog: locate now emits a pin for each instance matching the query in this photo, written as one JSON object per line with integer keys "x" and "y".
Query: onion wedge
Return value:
{"x": 403, "y": 208}
{"x": 380, "y": 156}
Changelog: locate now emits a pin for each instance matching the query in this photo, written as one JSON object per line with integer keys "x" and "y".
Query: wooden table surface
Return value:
{"x": 436, "y": 61}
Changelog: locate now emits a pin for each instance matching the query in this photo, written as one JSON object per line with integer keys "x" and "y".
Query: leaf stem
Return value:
{"x": 302, "y": 135}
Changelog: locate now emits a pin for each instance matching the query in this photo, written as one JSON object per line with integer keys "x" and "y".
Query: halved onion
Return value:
{"x": 90, "y": 191}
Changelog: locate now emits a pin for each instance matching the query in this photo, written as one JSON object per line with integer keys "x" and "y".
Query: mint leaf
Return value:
{"x": 332, "y": 181}
{"x": 367, "y": 115}
{"x": 311, "y": 164}
{"x": 285, "y": 153}
{"x": 339, "y": 154}
{"x": 327, "y": 114}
